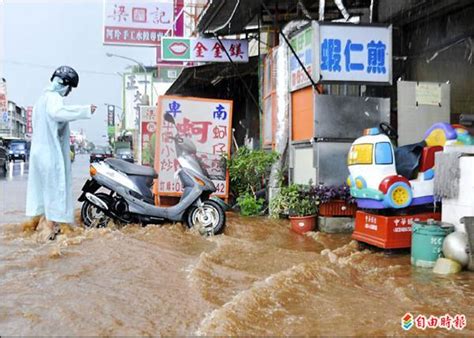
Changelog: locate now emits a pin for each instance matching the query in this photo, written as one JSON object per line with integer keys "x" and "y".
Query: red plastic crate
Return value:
{"x": 337, "y": 208}
{"x": 388, "y": 232}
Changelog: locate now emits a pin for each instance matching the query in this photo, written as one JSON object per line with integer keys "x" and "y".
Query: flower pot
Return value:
{"x": 303, "y": 224}
{"x": 337, "y": 208}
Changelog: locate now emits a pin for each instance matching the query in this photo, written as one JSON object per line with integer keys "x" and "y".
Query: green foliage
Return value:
{"x": 294, "y": 200}
{"x": 280, "y": 204}
{"x": 249, "y": 205}
{"x": 248, "y": 169}
{"x": 304, "y": 207}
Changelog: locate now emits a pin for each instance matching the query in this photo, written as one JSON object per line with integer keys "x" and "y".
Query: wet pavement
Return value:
{"x": 258, "y": 278}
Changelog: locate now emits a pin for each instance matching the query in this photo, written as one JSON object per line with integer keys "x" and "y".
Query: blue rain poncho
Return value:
{"x": 49, "y": 178}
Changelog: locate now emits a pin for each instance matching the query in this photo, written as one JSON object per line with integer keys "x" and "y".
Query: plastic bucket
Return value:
{"x": 427, "y": 242}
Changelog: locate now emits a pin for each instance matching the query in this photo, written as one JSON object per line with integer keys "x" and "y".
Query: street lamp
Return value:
{"x": 145, "y": 99}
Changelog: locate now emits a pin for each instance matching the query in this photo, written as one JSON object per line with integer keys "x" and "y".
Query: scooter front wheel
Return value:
{"x": 209, "y": 219}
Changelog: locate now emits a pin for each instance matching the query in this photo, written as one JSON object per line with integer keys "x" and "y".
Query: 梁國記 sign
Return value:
{"x": 141, "y": 22}
{"x": 302, "y": 44}
{"x": 203, "y": 50}
{"x": 352, "y": 53}
{"x": 208, "y": 123}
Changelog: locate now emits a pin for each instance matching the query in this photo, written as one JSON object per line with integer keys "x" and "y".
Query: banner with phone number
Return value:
{"x": 208, "y": 123}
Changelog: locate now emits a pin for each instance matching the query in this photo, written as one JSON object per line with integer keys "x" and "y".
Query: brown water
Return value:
{"x": 256, "y": 279}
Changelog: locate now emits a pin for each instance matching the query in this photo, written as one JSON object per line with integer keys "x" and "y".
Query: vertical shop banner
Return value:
{"x": 137, "y": 23}
{"x": 134, "y": 91}
{"x": 208, "y": 123}
{"x": 4, "y": 118}
{"x": 29, "y": 122}
{"x": 110, "y": 120}
{"x": 352, "y": 53}
{"x": 178, "y": 30}
{"x": 302, "y": 44}
{"x": 148, "y": 135}
{"x": 203, "y": 50}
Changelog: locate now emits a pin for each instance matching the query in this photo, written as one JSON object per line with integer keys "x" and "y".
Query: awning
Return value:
{"x": 199, "y": 79}
{"x": 227, "y": 17}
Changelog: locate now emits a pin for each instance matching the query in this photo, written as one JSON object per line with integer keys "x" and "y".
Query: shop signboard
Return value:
{"x": 134, "y": 89}
{"x": 111, "y": 120}
{"x": 3, "y": 103}
{"x": 148, "y": 134}
{"x": 302, "y": 44}
{"x": 203, "y": 50}
{"x": 177, "y": 31}
{"x": 208, "y": 122}
{"x": 138, "y": 22}
{"x": 29, "y": 122}
{"x": 352, "y": 53}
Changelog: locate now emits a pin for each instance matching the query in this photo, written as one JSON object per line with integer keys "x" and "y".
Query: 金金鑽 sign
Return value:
{"x": 352, "y": 53}
{"x": 141, "y": 23}
{"x": 208, "y": 123}
{"x": 203, "y": 50}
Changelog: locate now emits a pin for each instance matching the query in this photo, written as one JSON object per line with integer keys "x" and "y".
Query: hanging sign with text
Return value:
{"x": 208, "y": 123}
{"x": 352, "y": 53}
{"x": 138, "y": 23}
{"x": 203, "y": 50}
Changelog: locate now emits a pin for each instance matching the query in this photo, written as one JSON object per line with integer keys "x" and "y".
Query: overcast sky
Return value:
{"x": 36, "y": 36}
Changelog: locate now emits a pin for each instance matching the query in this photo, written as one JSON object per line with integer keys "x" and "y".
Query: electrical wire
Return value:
{"x": 34, "y": 65}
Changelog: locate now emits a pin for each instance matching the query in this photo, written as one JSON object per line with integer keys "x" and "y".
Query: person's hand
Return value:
{"x": 93, "y": 108}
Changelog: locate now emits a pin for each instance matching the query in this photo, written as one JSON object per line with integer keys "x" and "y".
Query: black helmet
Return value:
{"x": 68, "y": 75}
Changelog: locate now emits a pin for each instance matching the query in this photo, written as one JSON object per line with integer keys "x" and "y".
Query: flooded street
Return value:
{"x": 256, "y": 279}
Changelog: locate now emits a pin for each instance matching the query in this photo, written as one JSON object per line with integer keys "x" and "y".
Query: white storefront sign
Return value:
{"x": 138, "y": 22}
{"x": 352, "y": 53}
{"x": 208, "y": 123}
{"x": 204, "y": 50}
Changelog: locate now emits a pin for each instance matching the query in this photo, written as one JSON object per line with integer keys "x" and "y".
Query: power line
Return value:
{"x": 84, "y": 71}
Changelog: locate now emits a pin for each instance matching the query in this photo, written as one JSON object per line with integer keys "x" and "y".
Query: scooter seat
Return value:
{"x": 130, "y": 168}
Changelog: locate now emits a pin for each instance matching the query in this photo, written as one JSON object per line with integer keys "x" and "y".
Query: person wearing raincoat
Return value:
{"x": 49, "y": 191}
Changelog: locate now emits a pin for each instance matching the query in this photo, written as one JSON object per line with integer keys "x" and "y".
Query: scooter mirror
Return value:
{"x": 169, "y": 118}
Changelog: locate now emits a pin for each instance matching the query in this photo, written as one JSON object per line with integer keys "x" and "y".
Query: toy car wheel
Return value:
{"x": 399, "y": 195}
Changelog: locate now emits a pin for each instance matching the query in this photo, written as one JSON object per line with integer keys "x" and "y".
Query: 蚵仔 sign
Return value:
{"x": 352, "y": 53}
{"x": 208, "y": 123}
{"x": 141, "y": 22}
{"x": 203, "y": 50}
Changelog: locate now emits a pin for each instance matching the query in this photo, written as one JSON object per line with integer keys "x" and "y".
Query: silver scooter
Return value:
{"x": 121, "y": 191}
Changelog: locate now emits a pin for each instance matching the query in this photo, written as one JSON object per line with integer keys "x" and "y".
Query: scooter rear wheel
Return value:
{"x": 209, "y": 219}
{"x": 92, "y": 216}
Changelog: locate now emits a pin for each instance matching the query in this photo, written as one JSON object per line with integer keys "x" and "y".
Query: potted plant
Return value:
{"x": 280, "y": 204}
{"x": 334, "y": 200}
{"x": 303, "y": 210}
{"x": 248, "y": 170}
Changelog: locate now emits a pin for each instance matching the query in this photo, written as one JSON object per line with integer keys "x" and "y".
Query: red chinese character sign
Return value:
{"x": 29, "y": 122}
{"x": 142, "y": 23}
{"x": 148, "y": 135}
{"x": 208, "y": 122}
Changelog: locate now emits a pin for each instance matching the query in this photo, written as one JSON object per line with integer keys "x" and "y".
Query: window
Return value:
{"x": 360, "y": 154}
{"x": 383, "y": 153}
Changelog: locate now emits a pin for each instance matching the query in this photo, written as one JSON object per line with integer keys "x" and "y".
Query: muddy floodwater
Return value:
{"x": 258, "y": 278}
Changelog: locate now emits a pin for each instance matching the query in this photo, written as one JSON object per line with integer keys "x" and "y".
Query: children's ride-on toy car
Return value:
{"x": 382, "y": 176}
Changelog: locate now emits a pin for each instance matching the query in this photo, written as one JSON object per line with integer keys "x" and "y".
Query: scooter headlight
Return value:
{"x": 349, "y": 181}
